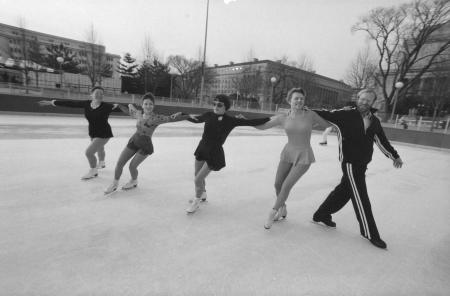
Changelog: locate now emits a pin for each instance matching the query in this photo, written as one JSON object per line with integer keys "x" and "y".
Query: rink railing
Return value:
{"x": 420, "y": 123}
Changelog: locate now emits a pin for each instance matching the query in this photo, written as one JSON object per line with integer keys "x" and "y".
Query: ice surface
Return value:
{"x": 62, "y": 236}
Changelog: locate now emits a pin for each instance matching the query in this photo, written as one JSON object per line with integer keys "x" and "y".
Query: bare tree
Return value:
{"x": 437, "y": 88}
{"x": 250, "y": 56}
{"x": 402, "y": 36}
{"x": 249, "y": 83}
{"x": 305, "y": 62}
{"x": 96, "y": 65}
{"x": 187, "y": 84}
{"x": 362, "y": 70}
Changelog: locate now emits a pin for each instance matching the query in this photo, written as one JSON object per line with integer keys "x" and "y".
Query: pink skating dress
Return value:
{"x": 298, "y": 129}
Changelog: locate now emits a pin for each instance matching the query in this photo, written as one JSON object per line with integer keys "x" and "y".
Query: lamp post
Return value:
{"x": 60, "y": 60}
{"x": 398, "y": 85}
{"x": 204, "y": 54}
{"x": 273, "y": 80}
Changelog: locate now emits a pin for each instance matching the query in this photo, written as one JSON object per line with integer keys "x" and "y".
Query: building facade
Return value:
{"x": 14, "y": 42}
{"x": 267, "y": 82}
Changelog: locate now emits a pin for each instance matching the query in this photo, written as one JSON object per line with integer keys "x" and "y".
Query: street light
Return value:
{"x": 60, "y": 60}
{"x": 398, "y": 85}
{"x": 273, "y": 80}
{"x": 204, "y": 54}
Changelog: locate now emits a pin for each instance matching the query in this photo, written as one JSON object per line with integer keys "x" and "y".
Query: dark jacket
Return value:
{"x": 355, "y": 143}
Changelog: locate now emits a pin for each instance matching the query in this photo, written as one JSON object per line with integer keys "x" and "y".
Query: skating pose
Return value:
{"x": 209, "y": 155}
{"x": 297, "y": 154}
{"x": 140, "y": 145}
{"x": 357, "y": 130}
{"x": 97, "y": 113}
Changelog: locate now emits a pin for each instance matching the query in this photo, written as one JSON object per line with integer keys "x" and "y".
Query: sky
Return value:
{"x": 269, "y": 29}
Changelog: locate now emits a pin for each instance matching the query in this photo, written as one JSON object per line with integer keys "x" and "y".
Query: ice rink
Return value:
{"x": 62, "y": 236}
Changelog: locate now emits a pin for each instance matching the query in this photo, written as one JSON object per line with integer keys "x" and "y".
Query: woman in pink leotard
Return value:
{"x": 297, "y": 154}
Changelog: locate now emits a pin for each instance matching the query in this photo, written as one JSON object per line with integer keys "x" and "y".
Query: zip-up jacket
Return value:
{"x": 355, "y": 143}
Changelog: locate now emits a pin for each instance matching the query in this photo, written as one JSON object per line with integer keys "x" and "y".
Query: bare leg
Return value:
{"x": 94, "y": 147}
{"x": 294, "y": 175}
{"x": 282, "y": 172}
{"x": 137, "y": 160}
{"x": 124, "y": 157}
{"x": 199, "y": 180}
{"x": 198, "y": 166}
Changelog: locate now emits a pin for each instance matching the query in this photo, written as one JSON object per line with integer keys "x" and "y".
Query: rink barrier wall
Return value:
{"x": 24, "y": 104}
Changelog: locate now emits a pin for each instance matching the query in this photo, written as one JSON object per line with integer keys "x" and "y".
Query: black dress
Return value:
{"x": 216, "y": 130}
{"x": 97, "y": 118}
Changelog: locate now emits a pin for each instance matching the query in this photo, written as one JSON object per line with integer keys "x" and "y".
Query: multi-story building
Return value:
{"x": 267, "y": 82}
{"x": 14, "y": 41}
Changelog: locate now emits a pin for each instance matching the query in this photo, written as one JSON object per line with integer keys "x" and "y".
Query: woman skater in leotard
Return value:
{"x": 297, "y": 154}
{"x": 140, "y": 145}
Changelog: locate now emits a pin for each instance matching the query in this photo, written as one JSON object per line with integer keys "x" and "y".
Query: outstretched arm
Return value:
{"x": 179, "y": 116}
{"x": 317, "y": 120}
{"x": 120, "y": 108}
{"x": 197, "y": 118}
{"x": 249, "y": 122}
{"x": 133, "y": 112}
{"x": 64, "y": 103}
{"x": 274, "y": 121}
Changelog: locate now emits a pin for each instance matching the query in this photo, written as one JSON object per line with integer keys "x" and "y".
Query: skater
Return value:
{"x": 96, "y": 112}
{"x": 297, "y": 154}
{"x": 357, "y": 130}
{"x": 140, "y": 145}
{"x": 209, "y": 155}
{"x": 325, "y": 135}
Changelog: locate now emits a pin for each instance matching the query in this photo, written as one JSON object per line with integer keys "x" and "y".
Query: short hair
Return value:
{"x": 97, "y": 87}
{"x": 148, "y": 96}
{"x": 223, "y": 99}
{"x": 367, "y": 90}
{"x": 294, "y": 90}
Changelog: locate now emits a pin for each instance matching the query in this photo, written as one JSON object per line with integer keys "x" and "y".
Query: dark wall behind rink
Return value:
{"x": 16, "y": 103}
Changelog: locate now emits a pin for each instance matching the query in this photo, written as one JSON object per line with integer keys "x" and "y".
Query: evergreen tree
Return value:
{"x": 127, "y": 68}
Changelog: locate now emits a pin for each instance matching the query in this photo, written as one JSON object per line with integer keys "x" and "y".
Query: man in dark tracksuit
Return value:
{"x": 357, "y": 129}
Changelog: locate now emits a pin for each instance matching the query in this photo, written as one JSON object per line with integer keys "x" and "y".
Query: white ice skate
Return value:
{"x": 91, "y": 174}
{"x": 130, "y": 185}
{"x": 194, "y": 206}
{"x": 281, "y": 214}
{"x": 203, "y": 198}
{"x": 270, "y": 219}
{"x": 101, "y": 165}
{"x": 111, "y": 188}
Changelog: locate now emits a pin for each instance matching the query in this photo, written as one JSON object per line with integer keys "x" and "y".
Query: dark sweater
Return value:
{"x": 216, "y": 131}
{"x": 355, "y": 143}
{"x": 97, "y": 118}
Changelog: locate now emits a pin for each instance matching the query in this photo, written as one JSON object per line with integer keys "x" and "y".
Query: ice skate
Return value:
{"x": 203, "y": 198}
{"x": 91, "y": 174}
{"x": 270, "y": 219}
{"x": 111, "y": 188}
{"x": 326, "y": 221}
{"x": 101, "y": 165}
{"x": 194, "y": 206}
{"x": 281, "y": 214}
{"x": 130, "y": 185}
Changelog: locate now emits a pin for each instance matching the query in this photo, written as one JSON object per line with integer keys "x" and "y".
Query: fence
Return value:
{"x": 422, "y": 123}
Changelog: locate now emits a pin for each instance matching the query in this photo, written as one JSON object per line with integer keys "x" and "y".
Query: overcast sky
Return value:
{"x": 270, "y": 29}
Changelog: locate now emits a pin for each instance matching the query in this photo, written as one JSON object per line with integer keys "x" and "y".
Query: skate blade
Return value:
{"x": 130, "y": 188}
{"x": 202, "y": 201}
{"x": 109, "y": 193}
{"x": 85, "y": 179}
{"x": 322, "y": 224}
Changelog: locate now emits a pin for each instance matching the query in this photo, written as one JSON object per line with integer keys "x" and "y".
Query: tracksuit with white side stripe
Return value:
{"x": 355, "y": 152}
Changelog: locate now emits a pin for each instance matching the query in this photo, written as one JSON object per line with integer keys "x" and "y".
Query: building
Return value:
{"x": 14, "y": 41}
{"x": 267, "y": 82}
